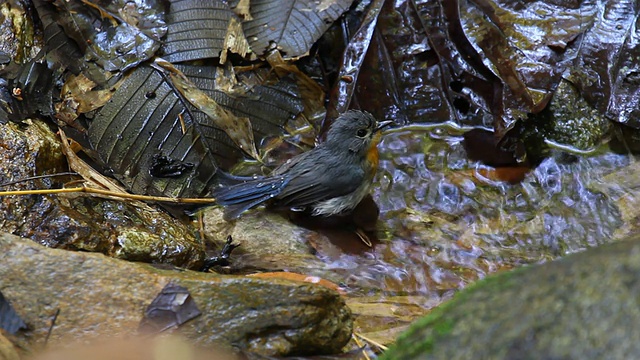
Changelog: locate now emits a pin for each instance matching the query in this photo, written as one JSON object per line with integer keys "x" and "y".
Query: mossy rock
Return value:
{"x": 584, "y": 306}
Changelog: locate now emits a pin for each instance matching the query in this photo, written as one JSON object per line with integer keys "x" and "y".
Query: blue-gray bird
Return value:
{"x": 330, "y": 179}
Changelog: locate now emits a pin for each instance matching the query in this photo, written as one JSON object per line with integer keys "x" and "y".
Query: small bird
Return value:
{"x": 330, "y": 179}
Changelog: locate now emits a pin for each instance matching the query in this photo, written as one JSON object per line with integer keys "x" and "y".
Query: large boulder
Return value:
{"x": 584, "y": 306}
{"x": 100, "y": 296}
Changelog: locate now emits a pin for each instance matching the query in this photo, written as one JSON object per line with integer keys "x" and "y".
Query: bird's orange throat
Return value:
{"x": 372, "y": 155}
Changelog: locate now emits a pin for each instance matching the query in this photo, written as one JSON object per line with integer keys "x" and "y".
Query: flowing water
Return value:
{"x": 446, "y": 221}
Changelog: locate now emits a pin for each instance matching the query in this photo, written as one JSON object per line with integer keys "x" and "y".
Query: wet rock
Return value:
{"x": 19, "y": 38}
{"x": 7, "y": 351}
{"x": 99, "y": 296}
{"x": 584, "y": 306}
{"x": 262, "y": 233}
{"x": 570, "y": 121}
{"x": 120, "y": 229}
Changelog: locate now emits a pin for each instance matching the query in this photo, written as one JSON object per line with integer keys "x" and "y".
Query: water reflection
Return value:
{"x": 447, "y": 221}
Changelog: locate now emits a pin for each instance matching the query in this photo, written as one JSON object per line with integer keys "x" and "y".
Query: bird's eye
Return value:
{"x": 361, "y": 133}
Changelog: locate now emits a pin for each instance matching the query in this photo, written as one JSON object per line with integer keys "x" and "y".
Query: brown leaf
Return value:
{"x": 311, "y": 93}
{"x": 238, "y": 128}
{"x": 78, "y": 98}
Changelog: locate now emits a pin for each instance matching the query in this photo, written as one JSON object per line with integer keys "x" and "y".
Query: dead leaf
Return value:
{"x": 234, "y": 41}
{"x": 312, "y": 94}
{"x": 238, "y": 128}
{"x": 92, "y": 177}
{"x": 78, "y": 98}
{"x": 242, "y": 10}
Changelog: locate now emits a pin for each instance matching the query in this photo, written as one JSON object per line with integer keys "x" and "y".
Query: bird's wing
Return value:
{"x": 318, "y": 180}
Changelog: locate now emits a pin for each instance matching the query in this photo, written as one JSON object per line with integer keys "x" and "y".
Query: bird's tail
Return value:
{"x": 248, "y": 193}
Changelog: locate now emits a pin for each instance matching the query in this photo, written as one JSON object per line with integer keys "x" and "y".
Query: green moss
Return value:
{"x": 423, "y": 335}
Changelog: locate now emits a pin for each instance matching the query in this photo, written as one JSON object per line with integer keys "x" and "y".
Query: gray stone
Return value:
{"x": 584, "y": 306}
{"x": 100, "y": 296}
{"x": 261, "y": 232}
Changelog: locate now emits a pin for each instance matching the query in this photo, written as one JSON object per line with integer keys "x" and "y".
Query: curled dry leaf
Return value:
{"x": 78, "y": 98}
{"x": 238, "y": 128}
{"x": 92, "y": 177}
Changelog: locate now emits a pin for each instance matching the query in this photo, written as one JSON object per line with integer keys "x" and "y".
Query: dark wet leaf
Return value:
{"x": 294, "y": 25}
{"x": 269, "y": 104}
{"x": 105, "y": 38}
{"x": 146, "y": 119}
{"x": 10, "y": 321}
{"x": 29, "y": 91}
{"x": 471, "y": 91}
{"x": 199, "y": 29}
{"x": 171, "y": 308}
{"x": 148, "y": 16}
{"x": 63, "y": 52}
{"x": 313, "y": 96}
{"x": 606, "y": 67}
{"x": 352, "y": 60}
{"x": 237, "y": 128}
{"x": 525, "y": 44}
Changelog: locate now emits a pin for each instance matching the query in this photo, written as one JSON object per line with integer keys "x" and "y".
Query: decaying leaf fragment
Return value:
{"x": 78, "y": 98}
{"x": 234, "y": 41}
{"x": 172, "y": 307}
{"x": 238, "y": 128}
{"x": 242, "y": 10}
{"x": 312, "y": 94}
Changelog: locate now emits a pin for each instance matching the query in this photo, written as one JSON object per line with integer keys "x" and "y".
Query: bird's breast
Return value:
{"x": 373, "y": 156}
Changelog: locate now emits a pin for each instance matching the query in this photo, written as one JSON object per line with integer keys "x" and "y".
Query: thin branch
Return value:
{"x": 112, "y": 194}
{"x": 69, "y": 173}
{"x": 373, "y": 342}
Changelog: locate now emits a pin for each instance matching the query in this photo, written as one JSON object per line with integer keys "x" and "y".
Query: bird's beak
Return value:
{"x": 383, "y": 124}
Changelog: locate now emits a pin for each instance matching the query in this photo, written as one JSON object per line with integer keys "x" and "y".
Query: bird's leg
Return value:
{"x": 363, "y": 237}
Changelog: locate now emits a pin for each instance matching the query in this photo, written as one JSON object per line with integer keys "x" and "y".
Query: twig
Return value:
{"x": 53, "y": 323}
{"x": 364, "y": 347}
{"x": 109, "y": 193}
{"x": 371, "y": 341}
{"x": 68, "y": 173}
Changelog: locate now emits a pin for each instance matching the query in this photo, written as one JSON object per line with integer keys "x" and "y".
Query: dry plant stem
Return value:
{"x": 371, "y": 341}
{"x": 364, "y": 350}
{"x": 110, "y": 195}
